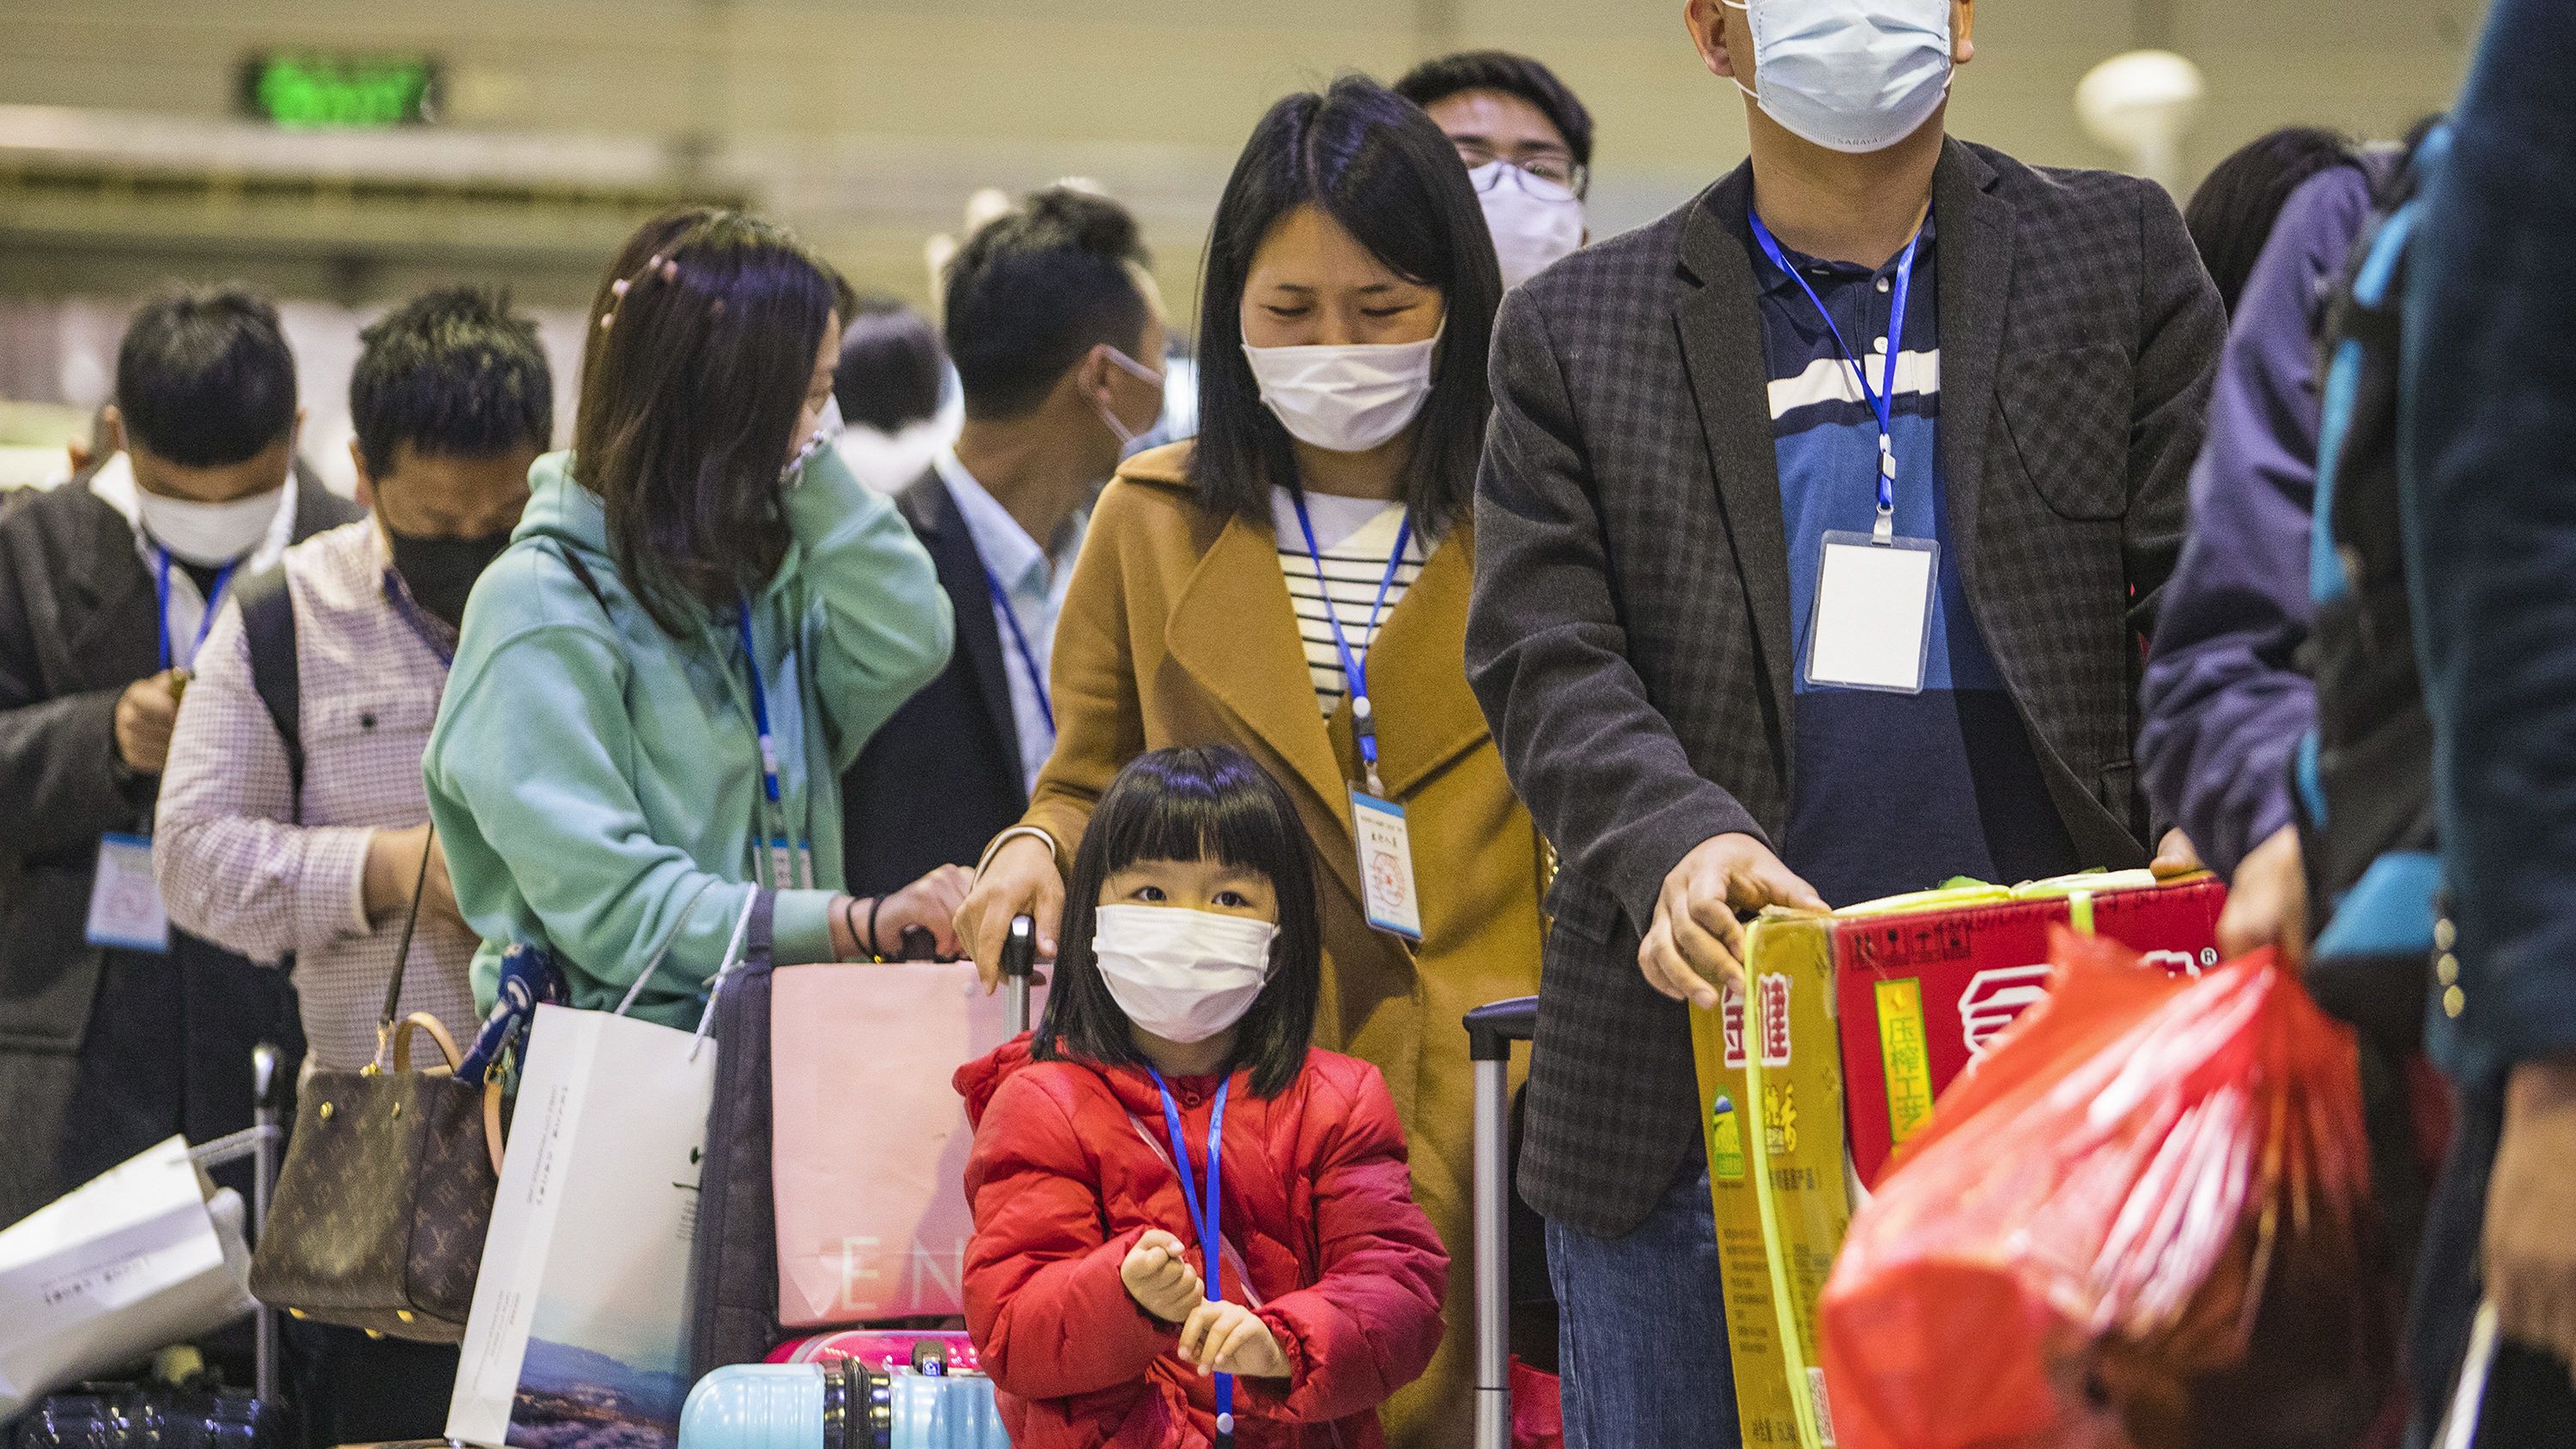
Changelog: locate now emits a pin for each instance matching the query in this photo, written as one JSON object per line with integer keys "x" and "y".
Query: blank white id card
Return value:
{"x": 1873, "y": 620}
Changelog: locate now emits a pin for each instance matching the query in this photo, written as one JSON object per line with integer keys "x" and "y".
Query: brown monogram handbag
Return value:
{"x": 381, "y": 1208}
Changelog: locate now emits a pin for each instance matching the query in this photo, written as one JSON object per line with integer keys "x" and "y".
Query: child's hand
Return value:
{"x": 1159, "y": 1277}
{"x": 1228, "y": 1338}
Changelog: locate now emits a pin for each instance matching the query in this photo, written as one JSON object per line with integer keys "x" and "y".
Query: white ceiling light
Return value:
{"x": 2140, "y": 105}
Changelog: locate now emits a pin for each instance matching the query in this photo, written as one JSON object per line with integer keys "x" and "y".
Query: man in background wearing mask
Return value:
{"x": 115, "y": 1030}
{"x": 1527, "y": 142}
{"x": 1057, "y": 332}
{"x": 452, "y": 402}
{"x": 1872, "y": 457}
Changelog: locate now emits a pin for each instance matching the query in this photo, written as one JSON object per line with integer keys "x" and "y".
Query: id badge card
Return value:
{"x": 1872, "y": 626}
{"x": 791, "y": 864}
{"x": 125, "y": 901}
{"x": 1386, "y": 865}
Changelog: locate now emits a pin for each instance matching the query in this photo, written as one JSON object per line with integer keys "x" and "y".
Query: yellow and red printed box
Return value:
{"x": 1859, "y": 1019}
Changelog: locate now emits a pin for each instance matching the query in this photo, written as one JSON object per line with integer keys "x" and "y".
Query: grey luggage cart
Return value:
{"x": 1491, "y": 1031}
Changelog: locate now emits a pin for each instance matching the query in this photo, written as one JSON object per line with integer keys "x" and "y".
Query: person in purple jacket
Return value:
{"x": 2226, "y": 700}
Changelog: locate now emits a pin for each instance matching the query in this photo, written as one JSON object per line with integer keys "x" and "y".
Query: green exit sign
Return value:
{"x": 315, "y": 90}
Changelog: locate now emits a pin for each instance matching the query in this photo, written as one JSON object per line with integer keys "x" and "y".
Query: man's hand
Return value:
{"x": 2531, "y": 1198}
{"x": 1020, "y": 880}
{"x": 393, "y": 864}
{"x": 2267, "y": 903}
{"x": 1228, "y": 1338}
{"x": 2176, "y": 855}
{"x": 144, "y": 715}
{"x": 1161, "y": 1279}
{"x": 1696, "y": 943}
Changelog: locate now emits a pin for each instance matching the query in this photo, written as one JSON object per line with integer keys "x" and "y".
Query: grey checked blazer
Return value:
{"x": 1629, "y": 638}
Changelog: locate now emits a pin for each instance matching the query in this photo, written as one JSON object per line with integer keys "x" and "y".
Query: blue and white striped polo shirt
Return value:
{"x": 1889, "y": 792}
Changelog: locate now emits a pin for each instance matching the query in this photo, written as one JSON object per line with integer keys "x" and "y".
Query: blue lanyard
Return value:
{"x": 1355, "y": 666}
{"x": 1883, "y": 401}
{"x": 1020, "y": 643}
{"x": 1204, "y": 1220}
{"x": 759, "y": 702}
{"x": 205, "y": 621}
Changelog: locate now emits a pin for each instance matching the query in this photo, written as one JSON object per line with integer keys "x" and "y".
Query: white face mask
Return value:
{"x": 1535, "y": 222}
{"x": 209, "y": 534}
{"x": 1182, "y": 975}
{"x": 1849, "y": 75}
{"x": 1346, "y": 399}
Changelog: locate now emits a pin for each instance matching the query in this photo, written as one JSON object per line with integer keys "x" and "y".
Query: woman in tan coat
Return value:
{"x": 1350, "y": 294}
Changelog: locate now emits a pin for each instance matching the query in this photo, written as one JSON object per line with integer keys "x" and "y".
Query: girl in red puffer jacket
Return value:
{"x": 1169, "y": 1100}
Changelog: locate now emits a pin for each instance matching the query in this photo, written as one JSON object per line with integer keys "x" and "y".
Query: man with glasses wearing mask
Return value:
{"x": 1527, "y": 143}
{"x": 1871, "y": 458}
{"x": 1056, "y": 329}
{"x": 115, "y": 1029}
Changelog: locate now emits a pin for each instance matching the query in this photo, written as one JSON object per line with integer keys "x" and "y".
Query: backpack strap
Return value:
{"x": 268, "y": 623}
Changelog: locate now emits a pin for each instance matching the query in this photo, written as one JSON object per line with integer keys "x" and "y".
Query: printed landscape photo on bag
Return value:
{"x": 576, "y": 1398}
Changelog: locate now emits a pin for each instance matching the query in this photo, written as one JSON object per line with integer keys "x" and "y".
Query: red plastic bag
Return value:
{"x": 2139, "y": 1220}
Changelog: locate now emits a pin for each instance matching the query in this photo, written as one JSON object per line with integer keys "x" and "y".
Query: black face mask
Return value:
{"x": 440, "y": 572}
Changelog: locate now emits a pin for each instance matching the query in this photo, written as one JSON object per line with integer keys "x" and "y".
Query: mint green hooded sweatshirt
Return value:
{"x": 597, "y": 783}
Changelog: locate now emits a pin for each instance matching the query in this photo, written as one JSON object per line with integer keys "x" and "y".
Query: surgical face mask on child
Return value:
{"x": 1535, "y": 222}
{"x": 1849, "y": 75}
{"x": 1346, "y": 399}
{"x": 1181, "y": 975}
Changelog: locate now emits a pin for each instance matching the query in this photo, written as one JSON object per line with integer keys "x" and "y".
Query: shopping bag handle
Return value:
{"x": 679, "y": 923}
{"x": 733, "y": 958}
{"x": 2460, "y": 1424}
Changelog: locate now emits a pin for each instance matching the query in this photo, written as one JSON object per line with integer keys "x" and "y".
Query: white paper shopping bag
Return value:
{"x": 128, "y": 1262}
{"x": 578, "y": 1335}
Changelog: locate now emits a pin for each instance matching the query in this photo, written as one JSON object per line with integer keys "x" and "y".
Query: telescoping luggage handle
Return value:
{"x": 1019, "y": 968}
{"x": 259, "y": 1143}
{"x": 1491, "y": 1031}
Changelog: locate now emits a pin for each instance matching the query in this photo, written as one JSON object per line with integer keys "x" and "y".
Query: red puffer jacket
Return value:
{"x": 1070, "y": 1168}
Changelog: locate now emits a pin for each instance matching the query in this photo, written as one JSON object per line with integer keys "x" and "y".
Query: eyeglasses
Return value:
{"x": 1560, "y": 176}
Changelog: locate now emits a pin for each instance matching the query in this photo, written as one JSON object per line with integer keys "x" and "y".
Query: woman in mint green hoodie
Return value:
{"x": 660, "y": 682}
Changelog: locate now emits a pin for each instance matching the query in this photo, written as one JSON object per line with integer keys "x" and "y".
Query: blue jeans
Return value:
{"x": 1642, "y": 1330}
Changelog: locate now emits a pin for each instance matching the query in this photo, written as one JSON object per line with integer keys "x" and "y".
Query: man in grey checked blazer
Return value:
{"x": 1631, "y": 632}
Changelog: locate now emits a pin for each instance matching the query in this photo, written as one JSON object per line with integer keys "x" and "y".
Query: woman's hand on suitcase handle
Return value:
{"x": 1158, "y": 1275}
{"x": 1020, "y": 880}
{"x": 1228, "y": 1338}
{"x": 928, "y": 904}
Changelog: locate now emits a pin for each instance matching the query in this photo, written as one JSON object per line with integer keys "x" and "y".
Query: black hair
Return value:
{"x": 685, "y": 425}
{"x": 2232, "y": 214}
{"x": 1375, "y": 164}
{"x": 204, "y": 377}
{"x": 652, "y": 238}
{"x": 1191, "y": 803}
{"x": 893, "y": 368}
{"x": 455, "y": 374}
{"x": 1436, "y": 80}
{"x": 1033, "y": 291}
